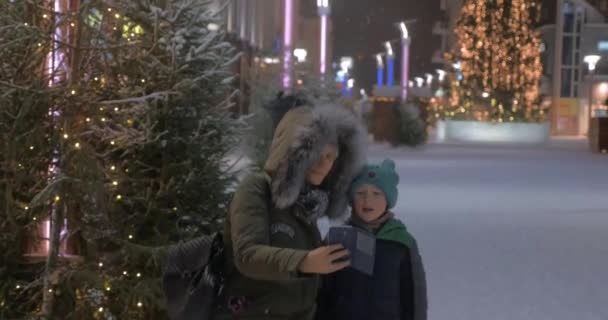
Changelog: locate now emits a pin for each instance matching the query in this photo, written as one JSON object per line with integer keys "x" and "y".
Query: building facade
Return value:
{"x": 575, "y": 93}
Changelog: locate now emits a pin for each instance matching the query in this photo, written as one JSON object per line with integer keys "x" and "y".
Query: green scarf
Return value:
{"x": 387, "y": 227}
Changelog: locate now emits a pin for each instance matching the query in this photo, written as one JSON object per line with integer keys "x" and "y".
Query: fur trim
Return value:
{"x": 308, "y": 130}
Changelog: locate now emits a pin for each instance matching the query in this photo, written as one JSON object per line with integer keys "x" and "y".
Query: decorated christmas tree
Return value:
{"x": 497, "y": 62}
{"x": 114, "y": 131}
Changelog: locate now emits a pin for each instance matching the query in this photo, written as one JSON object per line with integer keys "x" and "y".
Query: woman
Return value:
{"x": 271, "y": 235}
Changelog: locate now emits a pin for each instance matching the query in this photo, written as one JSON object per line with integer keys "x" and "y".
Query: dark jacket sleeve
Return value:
{"x": 407, "y": 288}
{"x": 413, "y": 280}
{"x": 250, "y": 224}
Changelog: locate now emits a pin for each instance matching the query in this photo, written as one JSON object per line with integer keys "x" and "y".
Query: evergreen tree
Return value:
{"x": 136, "y": 138}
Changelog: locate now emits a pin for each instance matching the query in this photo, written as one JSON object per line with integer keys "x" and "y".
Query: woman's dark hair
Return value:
{"x": 278, "y": 107}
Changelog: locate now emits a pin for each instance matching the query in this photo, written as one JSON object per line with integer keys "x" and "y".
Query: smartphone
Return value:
{"x": 360, "y": 243}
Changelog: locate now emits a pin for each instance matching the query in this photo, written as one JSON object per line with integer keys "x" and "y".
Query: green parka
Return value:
{"x": 267, "y": 235}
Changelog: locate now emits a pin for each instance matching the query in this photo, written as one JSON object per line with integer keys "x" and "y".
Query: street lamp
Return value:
{"x": 300, "y": 54}
{"x": 346, "y": 63}
{"x": 441, "y": 74}
{"x": 350, "y": 86}
{"x": 324, "y": 11}
{"x": 591, "y": 61}
{"x": 391, "y": 63}
{"x": 380, "y": 63}
{"x": 405, "y": 60}
{"x": 288, "y": 41}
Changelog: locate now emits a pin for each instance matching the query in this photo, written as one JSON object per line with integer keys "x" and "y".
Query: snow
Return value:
{"x": 508, "y": 232}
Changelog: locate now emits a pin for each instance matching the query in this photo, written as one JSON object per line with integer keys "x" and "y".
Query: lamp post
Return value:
{"x": 441, "y": 75}
{"x": 391, "y": 63}
{"x": 300, "y": 54}
{"x": 324, "y": 11}
{"x": 346, "y": 63}
{"x": 380, "y": 63}
{"x": 591, "y": 61}
{"x": 288, "y": 34}
{"x": 405, "y": 59}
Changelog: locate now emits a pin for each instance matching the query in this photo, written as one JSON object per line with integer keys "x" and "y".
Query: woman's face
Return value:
{"x": 321, "y": 168}
{"x": 369, "y": 202}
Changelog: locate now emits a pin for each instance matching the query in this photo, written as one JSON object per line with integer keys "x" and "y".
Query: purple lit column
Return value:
{"x": 405, "y": 59}
{"x": 405, "y": 64}
{"x": 324, "y": 10}
{"x": 288, "y": 20}
{"x": 323, "y": 62}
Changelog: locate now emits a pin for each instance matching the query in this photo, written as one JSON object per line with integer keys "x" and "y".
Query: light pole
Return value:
{"x": 391, "y": 63}
{"x": 346, "y": 63}
{"x": 441, "y": 75}
{"x": 380, "y": 63}
{"x": 405, "y": 60}
{"x": 324, "y": 11}
{"x": 591, "y": 61}
{"x": 288, "y": 34}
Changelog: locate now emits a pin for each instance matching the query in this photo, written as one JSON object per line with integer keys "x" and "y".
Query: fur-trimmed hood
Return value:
{"x": 297, "y": 144}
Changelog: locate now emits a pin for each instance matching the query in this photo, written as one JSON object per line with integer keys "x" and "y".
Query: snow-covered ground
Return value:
{"x": 506, "y": 232}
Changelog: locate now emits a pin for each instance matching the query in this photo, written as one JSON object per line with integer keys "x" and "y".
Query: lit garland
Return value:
{"x": 499, "y": 60}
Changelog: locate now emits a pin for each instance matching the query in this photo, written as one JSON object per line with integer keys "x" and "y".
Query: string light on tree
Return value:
{"x": 497, "y": 54}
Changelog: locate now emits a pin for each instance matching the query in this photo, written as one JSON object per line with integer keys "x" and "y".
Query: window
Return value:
{"x": 602, "y": 45}
{"x": 569, "y": 22}
{"x": 566, "y": 82}
{"x": 567, "y": 51}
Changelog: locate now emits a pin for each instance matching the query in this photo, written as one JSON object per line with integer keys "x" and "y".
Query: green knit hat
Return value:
{"x": 382, "y": 176}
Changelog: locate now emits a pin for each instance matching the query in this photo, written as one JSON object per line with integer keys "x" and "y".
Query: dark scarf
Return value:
{"x": 313, "y": 201}
{"x": 372, "y": 226}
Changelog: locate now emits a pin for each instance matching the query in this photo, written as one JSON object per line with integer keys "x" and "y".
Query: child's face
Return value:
{"x": 369, "y": 202}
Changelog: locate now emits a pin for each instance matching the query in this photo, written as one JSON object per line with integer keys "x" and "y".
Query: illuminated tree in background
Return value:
{"x": 498, "y": 52}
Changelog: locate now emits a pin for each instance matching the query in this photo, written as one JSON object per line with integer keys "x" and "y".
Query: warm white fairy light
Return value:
{"x": 88, "y": 119}
{"x": 115, "y": 183}
{"x": 113, "y": 168}
{"x": 125, "y": 272}
{"x": 112, "y": 142}
{"x": 65, "y": 136}
{"x": 101, "y": 264}
{"x": 130, "y": 236}
{"x": 57, "y": 198}
{"x": 118, "y": 197}
{"x": 138, "y": 274}
{"x": 77, "y": 145}
{"x": 139, "y": 304}
{"x": 31, "y": 147}
{"x": 73, "y": 92}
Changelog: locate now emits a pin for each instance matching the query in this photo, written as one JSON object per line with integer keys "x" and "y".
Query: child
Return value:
{"x": 397, "y": 288}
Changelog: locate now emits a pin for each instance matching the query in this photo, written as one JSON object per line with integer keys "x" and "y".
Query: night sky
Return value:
{"x": 361, "y": 27}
